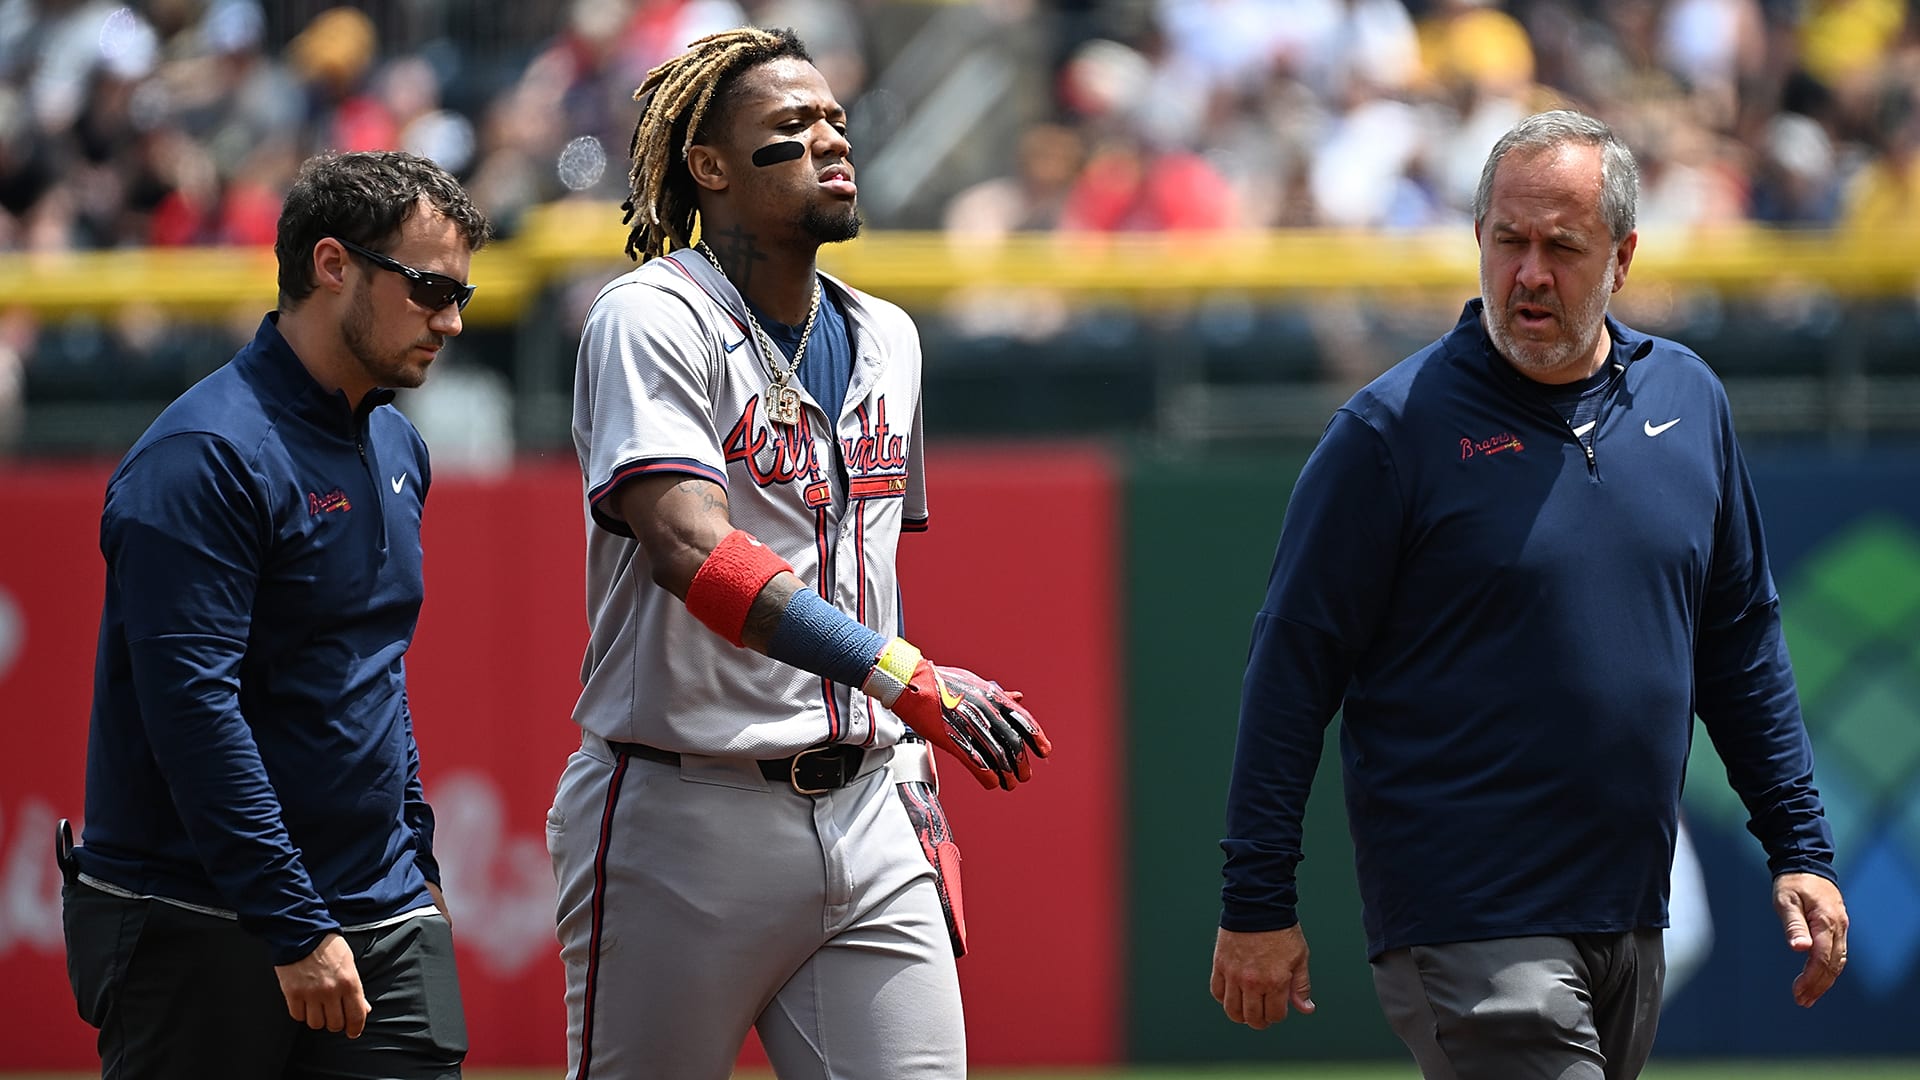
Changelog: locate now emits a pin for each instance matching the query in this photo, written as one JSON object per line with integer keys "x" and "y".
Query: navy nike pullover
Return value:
{"x": 1519, "y": 635}
{"x": 251, "y": 750}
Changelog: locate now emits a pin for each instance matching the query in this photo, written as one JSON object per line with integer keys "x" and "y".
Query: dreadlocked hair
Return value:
{"x": 676, "y": 100}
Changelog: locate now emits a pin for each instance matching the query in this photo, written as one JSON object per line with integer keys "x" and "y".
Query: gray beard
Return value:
{"x": 1530, "y": 359}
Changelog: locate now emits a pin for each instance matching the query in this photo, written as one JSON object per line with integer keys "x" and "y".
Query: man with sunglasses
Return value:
{"x": 257, "y": 895}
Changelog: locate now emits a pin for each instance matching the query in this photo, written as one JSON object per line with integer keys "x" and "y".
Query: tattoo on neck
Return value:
{"x": 737, "y": 251}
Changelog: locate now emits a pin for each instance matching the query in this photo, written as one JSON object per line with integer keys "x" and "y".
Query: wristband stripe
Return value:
{"x": 815, "y": 636}
{"x": 892, "y": 671}
{"x": 726, "y": 585}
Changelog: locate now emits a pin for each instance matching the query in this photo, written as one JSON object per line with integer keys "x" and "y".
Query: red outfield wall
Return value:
{"x": 1015, "y": 579}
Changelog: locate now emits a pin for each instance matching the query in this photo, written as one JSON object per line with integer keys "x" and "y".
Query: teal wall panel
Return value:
{"x": 1200, "y": 538}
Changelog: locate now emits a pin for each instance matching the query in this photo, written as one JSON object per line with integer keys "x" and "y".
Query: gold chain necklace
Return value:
{"x": 782, "y": 400}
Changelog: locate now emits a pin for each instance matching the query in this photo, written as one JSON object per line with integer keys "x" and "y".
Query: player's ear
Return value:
{"x": 704, "y": 163}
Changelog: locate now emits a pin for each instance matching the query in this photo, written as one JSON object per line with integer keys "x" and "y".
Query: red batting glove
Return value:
{"x": 975, "y": 720}
{"x": 936, "y": 839}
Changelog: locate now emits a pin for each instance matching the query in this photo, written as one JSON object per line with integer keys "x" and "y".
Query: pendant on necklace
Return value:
{"x": 783, "y": 404}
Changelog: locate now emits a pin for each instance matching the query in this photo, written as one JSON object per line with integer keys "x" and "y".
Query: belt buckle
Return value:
{"x": 836, "y": 779}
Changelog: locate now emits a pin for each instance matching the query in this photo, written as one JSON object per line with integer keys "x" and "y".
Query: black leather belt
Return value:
{"x": 813, "y": 771}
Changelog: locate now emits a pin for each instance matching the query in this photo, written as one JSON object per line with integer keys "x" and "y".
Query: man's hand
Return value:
{"x": 440, "y": 903}
{"x": 323, "y": 990}
{"x": 976, "y": 721}
{"x": 1256, "y": 975}
{"x": 1815, "y": 916}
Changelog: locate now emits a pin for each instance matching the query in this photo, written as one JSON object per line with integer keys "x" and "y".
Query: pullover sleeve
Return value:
{"x": 1744, "y": 689}
{"x": 1332, "y": 575}
{"x": 185, "y": 533}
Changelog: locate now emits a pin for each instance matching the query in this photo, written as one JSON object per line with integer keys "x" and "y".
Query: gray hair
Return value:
{"x": 1619, "y": 175}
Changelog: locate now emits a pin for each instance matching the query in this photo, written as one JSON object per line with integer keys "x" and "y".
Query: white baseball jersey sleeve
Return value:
{"x": 670, "y": 379}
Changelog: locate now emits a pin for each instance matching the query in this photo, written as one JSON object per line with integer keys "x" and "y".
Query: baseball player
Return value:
{"x": 743, "y": 839}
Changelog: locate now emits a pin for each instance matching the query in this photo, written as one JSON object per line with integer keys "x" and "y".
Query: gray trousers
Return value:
{"x": 699, "y": 901}
{"x": 1579, "y": 1007}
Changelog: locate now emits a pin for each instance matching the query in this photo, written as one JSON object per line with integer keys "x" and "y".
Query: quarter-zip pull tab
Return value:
{"x": 1586, "y": 445}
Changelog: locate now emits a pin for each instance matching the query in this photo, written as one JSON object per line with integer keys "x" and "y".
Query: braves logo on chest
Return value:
{"x": 771, "y": 454}
{"x": 328, "y": 503}
{"x": 1493, "y": 444}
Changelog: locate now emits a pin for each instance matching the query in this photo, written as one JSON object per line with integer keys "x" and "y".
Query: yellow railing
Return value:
{"x": 564, "y": 239}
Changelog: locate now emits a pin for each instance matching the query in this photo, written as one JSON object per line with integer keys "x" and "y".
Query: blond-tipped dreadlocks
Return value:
{"x": 676, "y": 99}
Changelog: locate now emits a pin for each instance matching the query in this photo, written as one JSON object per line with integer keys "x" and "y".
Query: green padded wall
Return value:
{"x": 1200, "y": 538}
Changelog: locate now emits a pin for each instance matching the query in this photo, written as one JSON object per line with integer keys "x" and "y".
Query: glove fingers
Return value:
{"x": 1023, "y": 722}
{"x": 991, "y": 731}
{"x": 1038, "y": 740}
{"x": 1009, "y": 750}
{"x": 961, "y": 744}
{"x": 1009, "y": 704}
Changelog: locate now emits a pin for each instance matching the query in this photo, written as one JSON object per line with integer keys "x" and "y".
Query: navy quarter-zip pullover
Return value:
{"x": 1520, "y": 624}
{"x": 251, "y": 749}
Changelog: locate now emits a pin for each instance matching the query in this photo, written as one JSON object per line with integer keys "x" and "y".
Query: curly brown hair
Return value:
{"x": 363, "y": 198}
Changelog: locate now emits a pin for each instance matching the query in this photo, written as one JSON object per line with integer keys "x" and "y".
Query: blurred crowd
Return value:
{"x": 1379, "y": 113}
{"x": 180, "y": 122}
{"x": 175, "y": 122}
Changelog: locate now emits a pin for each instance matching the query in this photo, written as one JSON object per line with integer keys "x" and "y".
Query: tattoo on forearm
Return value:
{"x": 737, "y": 252}
{"x": 763, "y": 618}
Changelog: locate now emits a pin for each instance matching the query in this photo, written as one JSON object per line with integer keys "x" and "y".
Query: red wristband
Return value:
{"x": 724, "y": 589}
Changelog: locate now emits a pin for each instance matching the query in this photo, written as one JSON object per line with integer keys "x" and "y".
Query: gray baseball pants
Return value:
{"x": 1578, "y": 1007}
{"x": 700, "y": 900}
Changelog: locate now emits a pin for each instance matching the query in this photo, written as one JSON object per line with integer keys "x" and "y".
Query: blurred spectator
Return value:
{"x": 1843, "y": 41}
{"x": 1035, "y": 198}
{"x": 1795, "y": 181}
{"x": 333, "y": 55}
{"x": 1127, "y": 186}
{"x": 834, "y": 35}
{"x": 1139, "y": 174}
{"x": 1361, "y": 175}
{"x": 1883, "y": 199}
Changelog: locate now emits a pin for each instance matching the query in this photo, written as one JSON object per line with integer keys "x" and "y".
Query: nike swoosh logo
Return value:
{"x": 736, "y": 344}
{"x": 1584, "y": 428}
{"x": 1653, "y": 429}
{"x": 399, "y": 482}
{"x": 948, "y": 698}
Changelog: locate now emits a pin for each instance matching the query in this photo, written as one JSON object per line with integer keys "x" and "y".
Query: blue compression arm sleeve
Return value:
{"x": 815, "y": 636}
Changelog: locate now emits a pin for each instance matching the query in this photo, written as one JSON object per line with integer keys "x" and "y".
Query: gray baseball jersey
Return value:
{"x": 699, "y": 899}
{"x": 670, "y": 379}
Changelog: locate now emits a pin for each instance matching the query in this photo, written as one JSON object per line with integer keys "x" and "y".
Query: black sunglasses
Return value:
{"x": 430, "y": 291}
